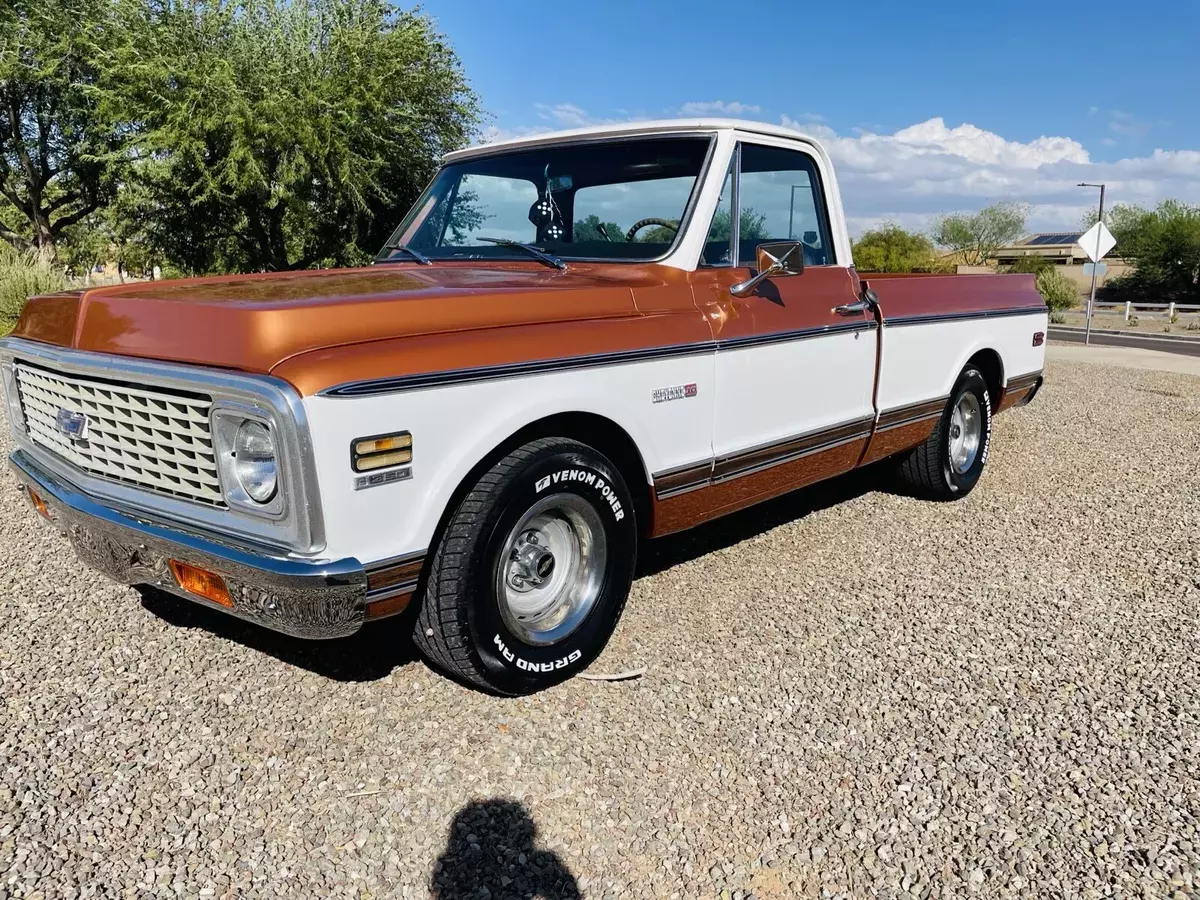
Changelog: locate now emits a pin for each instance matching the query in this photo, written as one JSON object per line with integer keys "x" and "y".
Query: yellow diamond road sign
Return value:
{"x": 1097, "y": 241}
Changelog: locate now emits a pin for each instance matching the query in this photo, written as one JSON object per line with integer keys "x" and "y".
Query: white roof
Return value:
{"x": 633, "y": 128}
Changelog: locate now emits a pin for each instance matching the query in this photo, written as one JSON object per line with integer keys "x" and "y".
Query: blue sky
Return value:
{"x": 926, "y": 107}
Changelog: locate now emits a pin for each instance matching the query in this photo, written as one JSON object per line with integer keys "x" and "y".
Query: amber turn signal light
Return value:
{"x": 39, "y": 504}
{"x": 380, "y": 451}
{"x": 201, "y": 582}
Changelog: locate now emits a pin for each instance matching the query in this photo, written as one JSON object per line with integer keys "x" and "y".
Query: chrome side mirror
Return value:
{"x": 778, "y": 258}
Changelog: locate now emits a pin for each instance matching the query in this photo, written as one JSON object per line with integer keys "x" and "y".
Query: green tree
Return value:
{"x": 60, "y": 153}
{"x": 977, "y": 237}
{"x": 1058, "y": 290}
{"x": 24, "y": 273}
{"x": 278, "y": 134}
{"x": 1031, "y": 264}
{"x": 752, "y": 225}
{"x": 890, "y": 248}
{"x": 588, "y": 229}
{"x": 1164, "y": 245}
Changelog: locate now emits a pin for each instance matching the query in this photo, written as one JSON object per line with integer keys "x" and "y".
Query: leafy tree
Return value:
{"x": 24, "y": 273}
{"x": 1031, "y": 264}
{"x": 752, "y": 225}
{"x": 890, "y": 248}
{"x": 277, "y": 134}
{"x": 60, "y": 154}
{"x": 1058, "y": 290}
{"x": 588, "y": 229}
{"x": 977, "y": 237}
{"x": 1164, "y": 243}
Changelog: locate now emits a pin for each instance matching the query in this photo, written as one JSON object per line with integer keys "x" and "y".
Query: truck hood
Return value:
{"x": 254, "y": 322}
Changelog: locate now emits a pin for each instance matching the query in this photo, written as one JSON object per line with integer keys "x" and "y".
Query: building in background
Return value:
{"x": 1060, "y": 249}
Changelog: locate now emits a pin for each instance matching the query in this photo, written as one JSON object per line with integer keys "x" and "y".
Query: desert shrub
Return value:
{"x": 1059, "y": 291}
{"x": 23, "y": 274}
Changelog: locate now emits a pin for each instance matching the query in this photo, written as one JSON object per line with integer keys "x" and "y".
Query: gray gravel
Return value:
{"x": 849, "y": 693}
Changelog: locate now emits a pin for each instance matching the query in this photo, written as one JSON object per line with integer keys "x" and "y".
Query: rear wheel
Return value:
{"x": 532, "y": 571}
{"x": 950, "y": 462}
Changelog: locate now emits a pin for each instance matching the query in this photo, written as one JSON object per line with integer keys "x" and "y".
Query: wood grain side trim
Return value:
{"x": 394, "y": 576}
{"x": 678, "y": 513}
{"x": 747, "y": 462}
{"x": 692, "y": 477}
{"x": 914, "y": 412}
{"x": 1019, "y": 390}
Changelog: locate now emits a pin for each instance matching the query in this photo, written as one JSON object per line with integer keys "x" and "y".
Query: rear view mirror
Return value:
{"x": 776, "y": 258}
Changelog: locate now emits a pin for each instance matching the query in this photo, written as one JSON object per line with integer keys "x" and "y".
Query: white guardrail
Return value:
{"x": 1171, "y": 308}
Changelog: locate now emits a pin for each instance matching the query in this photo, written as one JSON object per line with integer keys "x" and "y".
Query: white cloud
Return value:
{"x": 928, "y": 168}
{"x": 718, "y": 107}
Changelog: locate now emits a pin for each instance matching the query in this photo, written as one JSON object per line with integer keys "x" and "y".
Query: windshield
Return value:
{"x": 598, "y": 200}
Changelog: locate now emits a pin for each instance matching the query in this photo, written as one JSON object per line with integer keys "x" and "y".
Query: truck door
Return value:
{"x": 794, "y": 373}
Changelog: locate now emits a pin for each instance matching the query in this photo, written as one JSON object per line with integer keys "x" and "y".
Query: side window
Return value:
{"x": 781, "y": 199}
{"x": 716, "y": 245}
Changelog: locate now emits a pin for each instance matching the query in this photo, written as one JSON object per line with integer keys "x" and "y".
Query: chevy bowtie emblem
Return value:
{"x": 74, "y": 425}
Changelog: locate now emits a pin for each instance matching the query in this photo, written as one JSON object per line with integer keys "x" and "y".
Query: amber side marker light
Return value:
{"x": 39, "y": 504}
{"x": 201, "y": 582}
{"x": 382, "y": 450}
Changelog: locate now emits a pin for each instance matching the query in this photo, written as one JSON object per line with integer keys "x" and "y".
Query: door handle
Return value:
{"x": 852, "y": 309}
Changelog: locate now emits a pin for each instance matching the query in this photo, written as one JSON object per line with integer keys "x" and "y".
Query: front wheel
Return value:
{"x": 532, "y": 571}
{"x": 950, "y": 462}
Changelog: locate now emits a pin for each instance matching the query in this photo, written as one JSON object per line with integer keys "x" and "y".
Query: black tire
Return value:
{"x": 927, "y": 469}
{"x": 460, "y": 626}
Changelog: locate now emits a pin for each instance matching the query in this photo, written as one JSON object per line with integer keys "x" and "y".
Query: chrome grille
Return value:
{"x": 150, "y": 437}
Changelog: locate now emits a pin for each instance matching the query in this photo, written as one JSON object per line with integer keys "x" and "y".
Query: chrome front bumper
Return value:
{"x": 303, "y": 598}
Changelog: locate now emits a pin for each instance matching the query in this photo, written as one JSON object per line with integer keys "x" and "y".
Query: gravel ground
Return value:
{"x": 849, "y": 693}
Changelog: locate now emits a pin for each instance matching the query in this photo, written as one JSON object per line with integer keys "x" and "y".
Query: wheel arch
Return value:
{"x": 595, "y": 430}
{"x": 991, "y": 366}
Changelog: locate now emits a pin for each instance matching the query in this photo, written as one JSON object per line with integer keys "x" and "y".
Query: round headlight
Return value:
{"x": 254, "y": 461}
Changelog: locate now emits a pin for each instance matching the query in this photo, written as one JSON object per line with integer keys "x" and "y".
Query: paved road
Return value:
{"x": 1126, "y": 358}
{"x": 1165, "y": 343}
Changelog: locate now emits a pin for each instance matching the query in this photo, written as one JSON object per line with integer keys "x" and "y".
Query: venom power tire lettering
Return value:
{"x": 532, "y": 571}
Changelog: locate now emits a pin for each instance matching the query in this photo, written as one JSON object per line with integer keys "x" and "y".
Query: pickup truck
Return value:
{"x": 572, "y": 343}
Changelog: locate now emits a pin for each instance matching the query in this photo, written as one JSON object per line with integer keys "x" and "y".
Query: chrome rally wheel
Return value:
{"x": 551, "y": 570}
{"x": 532, "y": 569}
{"x": 966, "y": 432}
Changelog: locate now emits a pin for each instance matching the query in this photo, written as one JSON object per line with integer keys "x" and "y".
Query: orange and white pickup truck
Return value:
{"x": 572, "y": 343}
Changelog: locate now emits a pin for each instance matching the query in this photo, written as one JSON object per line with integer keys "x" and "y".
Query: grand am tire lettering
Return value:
{"x": 526, "y": 666}
{"x": 589, "y": 478}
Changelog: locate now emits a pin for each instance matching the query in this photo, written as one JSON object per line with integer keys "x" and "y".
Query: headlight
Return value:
{"x": 254, "y": 461}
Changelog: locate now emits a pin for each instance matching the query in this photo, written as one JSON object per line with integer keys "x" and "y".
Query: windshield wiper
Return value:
{"x": 542, "y": 255}
{"x": 418, "y": 256}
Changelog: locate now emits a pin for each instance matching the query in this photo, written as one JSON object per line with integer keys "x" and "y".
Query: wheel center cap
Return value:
{"x": 544, "y": 566}
{"x": 955, "y": 431}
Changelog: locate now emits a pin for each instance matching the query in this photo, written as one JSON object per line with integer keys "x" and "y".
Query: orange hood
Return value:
{"x": 255, "y": 322}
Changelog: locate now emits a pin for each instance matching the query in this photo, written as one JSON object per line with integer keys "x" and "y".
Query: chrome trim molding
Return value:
{"x": 303, "y": 598}
{"x": 448, "y": 377}
{"x": 395, "y": 576}
{"x": 910, "y": 414}
{"x": 929, "y": 318}
{"x": 684, "y": 479}
{"x": 299, "y": 528}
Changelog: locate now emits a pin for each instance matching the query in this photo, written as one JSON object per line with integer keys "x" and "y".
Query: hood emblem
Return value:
{"x": 72, "y": 425}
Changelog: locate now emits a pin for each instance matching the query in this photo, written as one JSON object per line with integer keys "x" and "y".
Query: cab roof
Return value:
{"x": 657, "y": 126}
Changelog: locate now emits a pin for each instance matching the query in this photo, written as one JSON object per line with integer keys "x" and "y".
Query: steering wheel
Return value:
{"x": 642, "y": 223}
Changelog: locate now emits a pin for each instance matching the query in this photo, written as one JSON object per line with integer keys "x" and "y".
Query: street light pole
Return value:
{"x": 1087, "y": 329}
